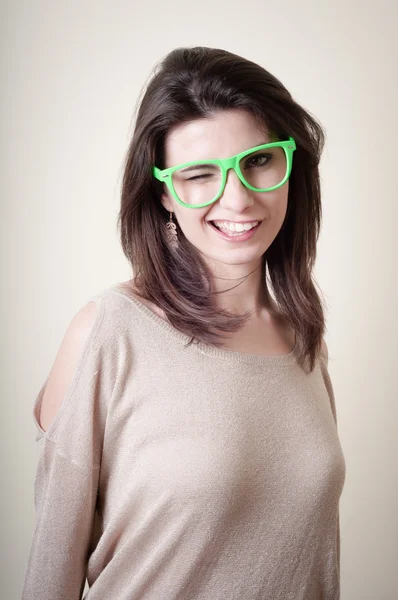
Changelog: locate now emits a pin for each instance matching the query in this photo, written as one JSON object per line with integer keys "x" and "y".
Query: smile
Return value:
{"x": 236, "y": 232}
{"x": 232, "y": 226}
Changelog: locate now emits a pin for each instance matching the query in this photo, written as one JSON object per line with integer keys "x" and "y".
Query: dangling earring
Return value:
{"x": 171, "y": 232}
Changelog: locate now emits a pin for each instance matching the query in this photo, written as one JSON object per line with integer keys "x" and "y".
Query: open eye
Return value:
{"x": 258, "y": 160}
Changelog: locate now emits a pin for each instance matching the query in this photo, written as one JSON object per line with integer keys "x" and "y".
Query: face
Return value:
{"x": 221, "y": 136}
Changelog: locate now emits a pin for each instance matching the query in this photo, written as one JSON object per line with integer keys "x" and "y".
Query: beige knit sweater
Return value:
{"x": 185, "y": 473}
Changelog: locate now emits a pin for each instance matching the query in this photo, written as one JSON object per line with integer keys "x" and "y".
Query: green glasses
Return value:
{"x": 200, "y": 183}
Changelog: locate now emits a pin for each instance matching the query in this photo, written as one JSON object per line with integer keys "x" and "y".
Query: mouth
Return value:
{"x": 232, "y": 235}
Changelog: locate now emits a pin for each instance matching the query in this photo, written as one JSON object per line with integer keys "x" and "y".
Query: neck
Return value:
{"x": 240, "y": 288}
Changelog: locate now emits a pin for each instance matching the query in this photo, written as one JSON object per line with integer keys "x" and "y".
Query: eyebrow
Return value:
{"x": 207, "y": 166}
{"x": 199, "y": 166}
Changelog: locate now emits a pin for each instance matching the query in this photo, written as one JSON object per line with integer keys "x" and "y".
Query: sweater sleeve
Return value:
{"x": 67, "y": 476}
{"x": 65, "y": 496}
{"x": 330, "y": 390}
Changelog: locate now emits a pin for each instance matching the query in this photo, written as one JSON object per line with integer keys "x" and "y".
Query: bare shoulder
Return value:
{"x": 324, "y": 350}
{"x": 66, "y": 360}
{"x": 84, "y": 320}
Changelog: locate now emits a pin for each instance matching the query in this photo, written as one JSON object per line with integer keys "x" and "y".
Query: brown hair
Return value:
{"x": 192, "y": 83}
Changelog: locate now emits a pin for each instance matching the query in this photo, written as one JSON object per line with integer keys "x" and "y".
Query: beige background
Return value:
{"x": 71, "y": 73}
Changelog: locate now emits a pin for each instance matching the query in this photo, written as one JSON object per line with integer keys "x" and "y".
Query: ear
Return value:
{"x": 166, "y": 202}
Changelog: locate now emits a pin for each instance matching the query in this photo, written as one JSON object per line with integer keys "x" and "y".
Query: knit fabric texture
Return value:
{"x": 175, "y": 472}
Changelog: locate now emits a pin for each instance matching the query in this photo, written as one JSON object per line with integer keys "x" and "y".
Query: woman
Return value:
{"x": 190, "y": 448}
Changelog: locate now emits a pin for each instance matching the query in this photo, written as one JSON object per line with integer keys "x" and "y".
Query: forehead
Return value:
{"x": 222, "y": 135}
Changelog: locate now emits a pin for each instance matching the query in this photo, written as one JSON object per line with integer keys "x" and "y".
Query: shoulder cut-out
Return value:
{"x": 66, "y": 361}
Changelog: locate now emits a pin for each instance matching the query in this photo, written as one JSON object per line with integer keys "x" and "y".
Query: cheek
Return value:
{"x": 282, "y": 208}
{"x": 191, "y": 221}
{"x": 277, "y": 204}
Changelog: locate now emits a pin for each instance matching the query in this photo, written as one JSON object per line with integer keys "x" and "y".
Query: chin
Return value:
{"x": 236, "y": 256}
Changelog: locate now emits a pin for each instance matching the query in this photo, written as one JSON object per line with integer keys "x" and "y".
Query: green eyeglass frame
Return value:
{"x": 165, "y": 175}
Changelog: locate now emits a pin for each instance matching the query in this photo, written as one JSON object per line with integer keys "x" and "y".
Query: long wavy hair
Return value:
{"x": 195, "y": 83}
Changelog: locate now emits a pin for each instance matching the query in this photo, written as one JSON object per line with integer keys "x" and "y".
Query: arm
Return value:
{"x": 66, "y": 483}
{"x": 329, "y": 387}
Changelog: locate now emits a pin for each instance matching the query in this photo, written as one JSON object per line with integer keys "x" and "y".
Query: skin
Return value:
{"x": 221, "y": 136}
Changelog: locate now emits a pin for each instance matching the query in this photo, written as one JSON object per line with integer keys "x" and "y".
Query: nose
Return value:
{"x": 236, "y": 196}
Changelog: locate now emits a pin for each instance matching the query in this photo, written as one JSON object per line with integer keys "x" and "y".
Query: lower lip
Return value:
{"x": 241, "y": 237}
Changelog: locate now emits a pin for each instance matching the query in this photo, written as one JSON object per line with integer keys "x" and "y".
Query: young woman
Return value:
{"x": 188, "y": 424}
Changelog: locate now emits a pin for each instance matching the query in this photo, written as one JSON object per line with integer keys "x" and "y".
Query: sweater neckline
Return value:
{"x": 201, "y": 347}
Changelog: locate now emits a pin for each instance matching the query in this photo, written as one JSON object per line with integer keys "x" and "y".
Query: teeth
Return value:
{"x": 236, "y": 226}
